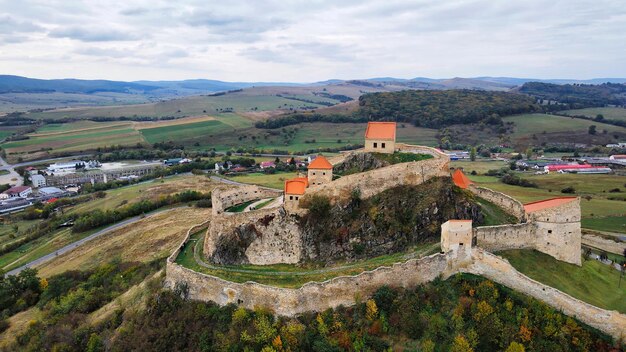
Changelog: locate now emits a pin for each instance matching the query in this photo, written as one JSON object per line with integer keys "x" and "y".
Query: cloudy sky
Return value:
{"x": 304, "y": 41}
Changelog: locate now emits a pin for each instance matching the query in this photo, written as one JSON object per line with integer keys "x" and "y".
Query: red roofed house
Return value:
{"x": 18, "y": 191}
{"x": 320, "y": 171}
{"x": 460, "y": 180}
{"x": 294, "y": 190}
{"x": 380, "y": 137}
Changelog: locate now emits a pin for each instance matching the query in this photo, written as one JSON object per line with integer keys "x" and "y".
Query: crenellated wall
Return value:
{"x": 378, "y": 180}
{"x": 509, "y": 204}
{"x": 225, "y": 197}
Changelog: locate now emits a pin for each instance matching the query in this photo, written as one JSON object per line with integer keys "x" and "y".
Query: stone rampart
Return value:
{"x": 375, "y": 181}
{"x": 604, "y": 244}
{"x": 313, "y": 296}
{"x": 509, "y": 204}
{"x": 513, "y": 236}
{"x": 225, "y": 197}
{"x": 499, "y": 270}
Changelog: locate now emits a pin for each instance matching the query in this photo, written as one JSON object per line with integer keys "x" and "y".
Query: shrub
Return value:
{"x": 568, "y": 190}
{"x": 510, "y": 179}
{"x": 318, "y": 206}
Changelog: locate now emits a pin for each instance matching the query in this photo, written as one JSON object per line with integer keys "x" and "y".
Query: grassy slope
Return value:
{"x": 599, "y": 213}
{"x": 594, "y": 282}
{"x": 608, "y": 113}
{"x": 298, "y": 275}
{"x": 529, "y": 124}
{"x": 150, "y": 238}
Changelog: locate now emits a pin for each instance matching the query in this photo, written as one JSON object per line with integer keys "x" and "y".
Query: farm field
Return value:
{"x": 76, "y": 137}
{"x": 608, "y": 113}
{"x": 188, "y": 106}
{"x": 276, "y": 181}
{"x": 149, "y": 190}
{"x": 530, "y": 124}
{"x": 10, "y": 102}
{"x": 599, "y": 212}
{"x": 594, "y": 282}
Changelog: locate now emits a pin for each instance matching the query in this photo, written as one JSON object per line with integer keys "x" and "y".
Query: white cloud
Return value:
{"x": 293, "y": 40}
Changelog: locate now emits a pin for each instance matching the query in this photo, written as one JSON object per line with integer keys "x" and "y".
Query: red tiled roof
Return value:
{"x": 547, "y": 203}
{"x": 460, "y": 179}
{"x": 381, "y": 130}
{"x": 566, "y": 167}
{"x": 296, "y": 185}
{"x": 320, "y": 163}
{"x": 16, "y": 189}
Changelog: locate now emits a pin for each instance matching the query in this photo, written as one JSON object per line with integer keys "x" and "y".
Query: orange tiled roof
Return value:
{"x": 460, "y": 179}
{"x": 296, "y": 185}
{"x": 547, "y": 203}
{"x": 381, "y": 130}
{"x": 320, "y": 163}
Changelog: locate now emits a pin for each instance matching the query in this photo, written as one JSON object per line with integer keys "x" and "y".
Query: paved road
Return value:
{"x": 8, "y": 178}
{"x": 78, "y": 243}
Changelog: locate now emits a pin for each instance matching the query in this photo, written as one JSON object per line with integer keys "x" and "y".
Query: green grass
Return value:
{"x": 397, "y": 158}
{"x": 599, "y": 213}
{"x": 191, "y": 131}
{"x": 594, "y": 282}
{"x": 239, "y": 207}
{"x": 608, "y": 113}
{"x": 529, "y": 124}
{"x": 263, "y": 204}
{"x": 494, "y": 215}
{"x": 276, "y": 181}
{"x": 292, "y": 276}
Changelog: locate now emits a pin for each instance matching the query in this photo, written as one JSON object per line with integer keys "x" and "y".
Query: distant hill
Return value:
{"x": 578, "y": 95}
{"x": 17, "y": 84}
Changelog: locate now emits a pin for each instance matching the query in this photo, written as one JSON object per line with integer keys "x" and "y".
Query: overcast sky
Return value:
{"x": 305, "y": 41}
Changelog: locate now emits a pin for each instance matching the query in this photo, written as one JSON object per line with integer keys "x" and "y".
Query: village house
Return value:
{"x": 38, "y": 180}
{"x": 267, "y": 164}
{"x": 380, "y": 137}
{"x": 320, "y": 171}
{"x": 17, "y": 192}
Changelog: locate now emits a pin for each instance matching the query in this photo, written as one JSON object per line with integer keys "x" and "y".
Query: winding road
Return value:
{"x": 80, "y": 242}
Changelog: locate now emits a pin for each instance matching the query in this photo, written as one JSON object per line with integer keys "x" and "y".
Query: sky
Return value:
{"x": 315, "y": 40}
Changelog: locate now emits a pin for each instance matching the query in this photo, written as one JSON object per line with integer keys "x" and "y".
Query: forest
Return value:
{"x": 423, "y": 108}
{"x": 578, "y": 96}
{"x": 464, "y": 313}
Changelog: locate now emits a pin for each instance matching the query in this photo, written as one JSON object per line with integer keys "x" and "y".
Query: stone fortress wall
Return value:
{"x": 375, "y": 181}
{"x": 511, "y": 205}
{"x": 604, "y": 244}
{"x": 225, "y": 197}
{"x": 344, "y": 290}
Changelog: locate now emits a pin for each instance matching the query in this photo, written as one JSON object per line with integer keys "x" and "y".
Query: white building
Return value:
{"x": 18, "y": 192}
{"x": 38, "y": 181}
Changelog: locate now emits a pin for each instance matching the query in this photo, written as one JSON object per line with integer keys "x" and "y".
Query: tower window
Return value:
{"x": 382, "y": 145}
{"x": 375, "y": 145}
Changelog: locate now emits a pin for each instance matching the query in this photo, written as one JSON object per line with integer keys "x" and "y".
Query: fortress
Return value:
{"x": 272, "y": 235}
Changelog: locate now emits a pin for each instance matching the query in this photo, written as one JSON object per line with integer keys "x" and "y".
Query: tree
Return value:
{"x": 592, "y": 129}
{"x": 529, "y": 153}
{"x": 460, "y": 344}
{"x": 515, "y": 347}
{"x": 473, "y": 154}
{"x": 371, "y": 310}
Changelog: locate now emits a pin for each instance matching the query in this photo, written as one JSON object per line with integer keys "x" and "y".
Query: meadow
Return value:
{"x": 608, "y": 113}
{"x": 598, "y": 212}
{"x": 529, "y": 124}
{"x": 593, "y": 282}
{"x": 276, "y": 181}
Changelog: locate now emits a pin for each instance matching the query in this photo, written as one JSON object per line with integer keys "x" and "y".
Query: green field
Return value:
{"x": 188, "y": 106}
{"x": 292, "y": 276}
{"x": 187, "y": 132}
{"x": 608, "y": 113}
{"x": 599, "y": 212}
{"x": 530, "y": 124}
{"x": 594, "y": 282}
{"x": 276, "y": 181}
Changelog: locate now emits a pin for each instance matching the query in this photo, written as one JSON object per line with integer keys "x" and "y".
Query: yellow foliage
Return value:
{"x": 483, "y": 309}
{"x": 515, "y": 347}
{"x": 240, "y": 315}
{"x": 277, "y": 343}
{"x": 371, "y": 310}
{"x": 43, "y": 283}
{"x": 460, "y": 344}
